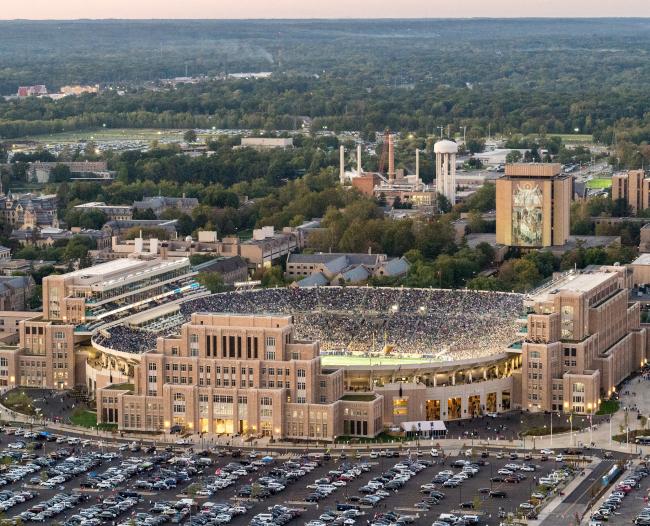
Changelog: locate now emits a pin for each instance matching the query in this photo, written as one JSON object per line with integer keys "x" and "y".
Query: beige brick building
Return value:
{"x": 239, "y": 374}
{"x": 583, "y": 339}
{"x": 634, "y": 187}
{"x": 533, "y": 203}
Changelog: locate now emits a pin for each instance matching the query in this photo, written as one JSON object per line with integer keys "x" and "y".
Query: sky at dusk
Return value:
{"x": 217, "y": 9}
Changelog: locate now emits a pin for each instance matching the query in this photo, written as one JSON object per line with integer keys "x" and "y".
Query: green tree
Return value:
{"x": 272, "y": 277}
{"x": 514, "y": 156}
{"x": 444, "y": 205}
{"x": 213, "y": 281}
{"x": 60, "y": 173}
{"x": 190, "y": 136}
{"x": 484, "y": 283}
{"x": 621, "y": 208}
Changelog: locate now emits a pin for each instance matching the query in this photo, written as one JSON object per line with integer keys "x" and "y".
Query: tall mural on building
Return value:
{"x": 527, "y": 214}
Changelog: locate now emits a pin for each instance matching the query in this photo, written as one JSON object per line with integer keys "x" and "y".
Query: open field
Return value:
{"x": 573, "y": 137}
{"x": 107, "y": 135}
{"x": 599, "y": 183}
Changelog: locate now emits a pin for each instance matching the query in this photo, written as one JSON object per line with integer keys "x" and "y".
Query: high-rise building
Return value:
{"x": 446, "y": 169}
{"x": 533, "y": 204}
{"x": 633, "y": 187}
{"x": 583, "y": 339}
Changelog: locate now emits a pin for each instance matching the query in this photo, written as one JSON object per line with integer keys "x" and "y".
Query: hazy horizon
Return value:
{"x": 335, "y": 9}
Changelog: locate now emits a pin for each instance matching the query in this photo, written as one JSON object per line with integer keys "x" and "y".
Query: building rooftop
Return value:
{"x": 123, "y": 269}
{"x": 580, "y": 282}
{"x": 643, "y": 259}
{"x": 584, "y": 282}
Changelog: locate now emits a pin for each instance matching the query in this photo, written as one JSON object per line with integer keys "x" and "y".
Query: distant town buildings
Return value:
{"x": 40, "y": 171}
{"x": 161, "y": 204}
{"x": 79, "y": 90}
{"x": 32, "y": 91}
{"x": 112, "y": 212}
{"x": 15, "y": 292}
{"x": 264, "y": 143}
{"x": 48, "y": 236}
{"x": 232, "y": 270}
{"x": 28, "y": 211}
{"x": 336, "y": 269}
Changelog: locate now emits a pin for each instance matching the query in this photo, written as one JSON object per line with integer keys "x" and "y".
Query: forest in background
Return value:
{"x": 506, "y": 76}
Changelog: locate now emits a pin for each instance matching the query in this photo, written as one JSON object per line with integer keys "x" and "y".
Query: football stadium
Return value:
{"x": 431, "y": 354}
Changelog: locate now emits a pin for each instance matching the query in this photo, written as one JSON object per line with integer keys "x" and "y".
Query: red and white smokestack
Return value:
{"x": 342, "y": 167}
{"x": 417, "y": 166}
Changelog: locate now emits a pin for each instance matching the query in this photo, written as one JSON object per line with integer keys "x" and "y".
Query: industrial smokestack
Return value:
{"x": 391, "y": 157}
{"x": 342, "y": 168}
{"x": 417, "y": 166}
{"x": 358, "y": 159}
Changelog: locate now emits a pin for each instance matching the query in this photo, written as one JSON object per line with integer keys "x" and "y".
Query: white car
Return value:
{"x": 504, "y": 471}
{"x": 547, "y": 452}
{"x": 435, "y": 453}
{"x": 559, "y": 458}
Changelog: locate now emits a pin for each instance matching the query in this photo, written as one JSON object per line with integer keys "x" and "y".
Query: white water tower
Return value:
{"x": 446, "y": 169}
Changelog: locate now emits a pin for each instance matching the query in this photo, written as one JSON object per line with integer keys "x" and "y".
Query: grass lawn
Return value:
{"x": 573, "y": 137}
{"x": 381, "y": 438}
{"x": 107, "y": 135}
{"x": 599, "y": 183}
{"x": 607, "y": 407}
{"x": 85, "y": 418}
{"x": 19, "y": 401}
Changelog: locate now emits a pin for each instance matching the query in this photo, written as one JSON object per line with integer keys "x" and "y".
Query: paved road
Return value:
{"x": 576, "y": 502}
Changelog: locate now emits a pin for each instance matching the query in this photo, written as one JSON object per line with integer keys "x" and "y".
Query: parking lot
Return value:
{"x": 626, "y": 501}
{"x": 74, "y": 481}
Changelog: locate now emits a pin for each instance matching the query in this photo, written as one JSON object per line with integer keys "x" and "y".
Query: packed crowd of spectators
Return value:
{"x": 442, "y": 324}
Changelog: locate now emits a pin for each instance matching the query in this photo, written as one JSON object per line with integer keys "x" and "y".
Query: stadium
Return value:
{"x": 433, "y": 354}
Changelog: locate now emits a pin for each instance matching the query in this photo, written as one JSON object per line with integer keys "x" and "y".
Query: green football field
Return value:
{"x": 599, "y": 183}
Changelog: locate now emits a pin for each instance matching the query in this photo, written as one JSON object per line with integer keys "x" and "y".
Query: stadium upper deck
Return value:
{"x": 431, "y": 325}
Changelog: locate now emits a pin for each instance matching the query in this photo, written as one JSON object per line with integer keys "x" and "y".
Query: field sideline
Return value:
{"x": 363, "y": 360}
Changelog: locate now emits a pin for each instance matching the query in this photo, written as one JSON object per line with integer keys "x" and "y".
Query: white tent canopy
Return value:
{"x": 435, "y": 427}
